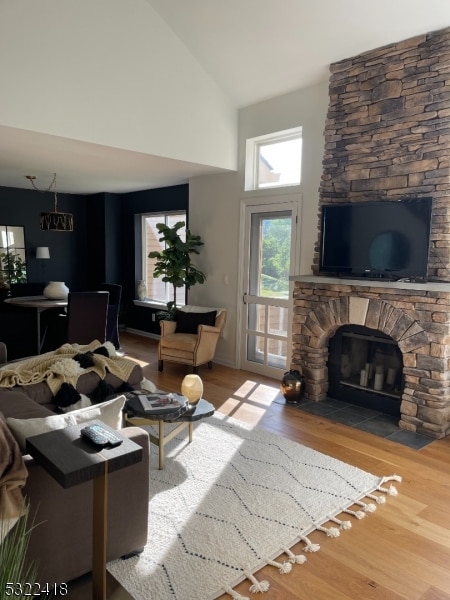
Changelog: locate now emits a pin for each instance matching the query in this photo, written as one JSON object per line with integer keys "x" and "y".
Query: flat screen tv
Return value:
{"x": 382, "y": 239}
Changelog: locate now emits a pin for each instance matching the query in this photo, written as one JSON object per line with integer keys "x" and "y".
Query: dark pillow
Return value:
{"x": 188, "y": 322}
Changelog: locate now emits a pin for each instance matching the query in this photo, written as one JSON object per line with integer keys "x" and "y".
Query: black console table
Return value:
{"x": 71, "y": 459}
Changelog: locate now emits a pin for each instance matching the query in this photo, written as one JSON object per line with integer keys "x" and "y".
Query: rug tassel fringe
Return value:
{"x": 297, "y": 559}
{"x": 234, "y": 594}
{"x": 332, "y": 532}
{"x": 378, "y": 499}
{"x": 257, "y": 586}
{"x": 310, "y": 547}
{"x": 367, "y": 508}
{"x": 285, "y": 567}
{"x": 391, "y": 490}
{"x": 396, "y": 478}
{"x": 344, "y": 525}
{"x": 358, "y": 514}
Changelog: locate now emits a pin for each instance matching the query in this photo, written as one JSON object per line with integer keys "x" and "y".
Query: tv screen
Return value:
{"x": 384, "y": 239}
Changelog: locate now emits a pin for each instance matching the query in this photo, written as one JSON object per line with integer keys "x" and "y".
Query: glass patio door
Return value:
{"x": 270, "y": 243}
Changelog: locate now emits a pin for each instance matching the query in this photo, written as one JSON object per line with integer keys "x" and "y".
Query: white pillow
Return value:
{"x": 110, "y": 412}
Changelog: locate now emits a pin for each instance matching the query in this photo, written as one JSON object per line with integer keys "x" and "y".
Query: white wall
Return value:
{"x": 215, "y": 200}
{"x": 111, "y": 72}
{"x": 306, "y": 108}
{"x": 214, "y": 215}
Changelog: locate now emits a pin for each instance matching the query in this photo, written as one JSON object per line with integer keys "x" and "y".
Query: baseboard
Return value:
{"x": 147, "y": 334}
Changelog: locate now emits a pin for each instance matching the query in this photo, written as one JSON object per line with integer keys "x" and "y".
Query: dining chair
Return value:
{"x": 112, "y": 318}
{"x": 86, "y": 317}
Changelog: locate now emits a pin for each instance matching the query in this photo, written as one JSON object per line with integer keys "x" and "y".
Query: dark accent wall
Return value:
{"x": 105, "y": 246}
{"x": 68, "y": 250}
{"x": 68, "y": 257}
{"x": 133, "y": 206}
{"x": 104, "y": 237}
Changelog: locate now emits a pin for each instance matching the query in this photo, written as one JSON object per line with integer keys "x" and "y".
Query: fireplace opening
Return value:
{"x": 365, "y": 367}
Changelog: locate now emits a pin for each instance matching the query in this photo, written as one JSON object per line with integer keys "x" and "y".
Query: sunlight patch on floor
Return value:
{"x": 264, "y": 394}
{"x": 246, "y": 389}
{"x": 250, "y": 401}
{"x": 143, "y": 363}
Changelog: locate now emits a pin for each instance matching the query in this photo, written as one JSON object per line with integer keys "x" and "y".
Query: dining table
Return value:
{"x": 40, "y": 304}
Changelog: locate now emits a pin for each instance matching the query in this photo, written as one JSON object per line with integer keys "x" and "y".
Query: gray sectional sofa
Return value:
{"x": 61, "y": 542}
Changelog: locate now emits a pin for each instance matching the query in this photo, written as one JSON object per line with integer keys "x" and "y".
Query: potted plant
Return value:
{"x": 17, "y": 577}
{"x": 173, "y": 264}
{"x": 14, "y": 266}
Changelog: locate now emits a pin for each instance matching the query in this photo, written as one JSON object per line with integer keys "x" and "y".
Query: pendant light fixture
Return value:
{"x": 53, "y": 221}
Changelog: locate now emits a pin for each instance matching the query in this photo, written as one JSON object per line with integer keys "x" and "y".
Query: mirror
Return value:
{"x": 13, "y": 268}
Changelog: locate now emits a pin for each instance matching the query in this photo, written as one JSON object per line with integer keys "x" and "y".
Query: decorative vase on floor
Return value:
{"x": 292, "y": 386}
{"x": 142, "y": 290}
{"x": 56, "y": 290}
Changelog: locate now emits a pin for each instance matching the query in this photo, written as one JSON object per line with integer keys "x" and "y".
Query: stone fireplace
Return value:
{"x": 415, "y": 316}
{"x": 387, "y": 137}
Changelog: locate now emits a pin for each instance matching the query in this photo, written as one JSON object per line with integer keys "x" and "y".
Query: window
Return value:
{"x": 274, "y": 160}
{"x": 157, "y": 290}
{"x": 12, "y": 255}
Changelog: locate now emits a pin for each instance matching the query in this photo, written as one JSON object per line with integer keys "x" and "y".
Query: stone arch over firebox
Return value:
{"x": 327, "y": 316}
{"x": 324, "y": 320}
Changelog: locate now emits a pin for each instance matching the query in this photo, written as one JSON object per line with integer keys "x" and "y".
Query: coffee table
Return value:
{"x": 135, "y": 415}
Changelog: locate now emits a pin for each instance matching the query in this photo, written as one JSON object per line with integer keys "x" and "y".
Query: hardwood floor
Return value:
{"x": 401, "y": 552}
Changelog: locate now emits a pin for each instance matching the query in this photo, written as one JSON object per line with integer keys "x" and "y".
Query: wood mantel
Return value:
{"x": 433, "y": 286}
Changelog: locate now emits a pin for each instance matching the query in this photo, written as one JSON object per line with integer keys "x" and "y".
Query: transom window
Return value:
{"x": 274, "y": 160}
{"x": 158, "y": 291}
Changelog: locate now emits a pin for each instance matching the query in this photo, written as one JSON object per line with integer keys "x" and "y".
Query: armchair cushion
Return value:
{"x": 185, "y": 342}
{"x": 188, "y": 322}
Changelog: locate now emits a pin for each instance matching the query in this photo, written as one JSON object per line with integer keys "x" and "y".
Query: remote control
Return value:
{"x": 101, "y": 436}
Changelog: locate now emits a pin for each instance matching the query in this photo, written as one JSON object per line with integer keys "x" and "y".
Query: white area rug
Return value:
{"x": 235, "y": 500}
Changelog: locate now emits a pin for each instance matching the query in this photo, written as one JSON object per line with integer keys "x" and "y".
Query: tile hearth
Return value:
{"x": 365, "y": 419}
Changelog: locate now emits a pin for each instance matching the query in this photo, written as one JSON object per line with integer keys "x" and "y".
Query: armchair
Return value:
{"x": 191, "y": 339}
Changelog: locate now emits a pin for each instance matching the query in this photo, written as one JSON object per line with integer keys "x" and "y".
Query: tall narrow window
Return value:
{"x": 158, "y": 291}
{"x": 274, "y": 160}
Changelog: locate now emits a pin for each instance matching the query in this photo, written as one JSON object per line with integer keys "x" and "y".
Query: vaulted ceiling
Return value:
{"x": 251, "y": 49}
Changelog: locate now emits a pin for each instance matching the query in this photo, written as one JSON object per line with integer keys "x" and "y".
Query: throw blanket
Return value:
{"x": 13, "y": 475}
{"x": 58, "y": 367}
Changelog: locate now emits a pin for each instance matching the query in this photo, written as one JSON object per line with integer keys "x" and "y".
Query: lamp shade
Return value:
{"x": 42, "y": 252}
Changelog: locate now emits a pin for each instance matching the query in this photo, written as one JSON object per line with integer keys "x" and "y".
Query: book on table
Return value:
{"x": 158, "y": 403}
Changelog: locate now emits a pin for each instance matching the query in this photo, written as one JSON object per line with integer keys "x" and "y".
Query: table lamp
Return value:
{"x": 192, "y": 388}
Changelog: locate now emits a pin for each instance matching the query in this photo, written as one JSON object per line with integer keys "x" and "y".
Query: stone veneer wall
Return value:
{"x": 417, "y": 319}
{"x": 387, "y": 134}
